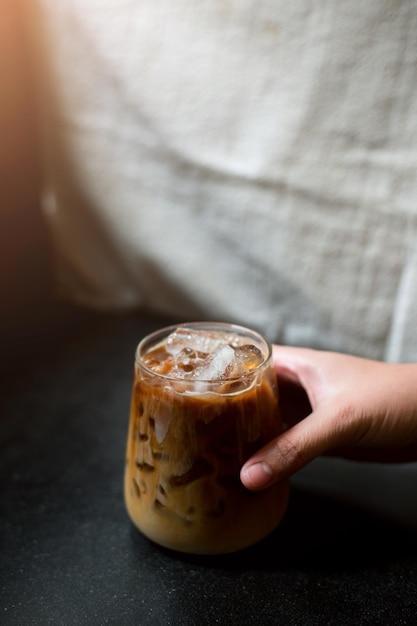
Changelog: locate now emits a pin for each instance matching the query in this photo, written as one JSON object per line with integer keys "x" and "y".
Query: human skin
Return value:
{"x": 338, "y": 405}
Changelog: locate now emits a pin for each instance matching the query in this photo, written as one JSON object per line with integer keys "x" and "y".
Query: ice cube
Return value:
{"x": 159, "y": 365}
{"x": 248, "y": 357}
{"x": 216, "y": 365}
{"x": 201, "y": 467}
{"x": 197, "y": 340}
{"x": 187, "y": 359}
{"x": 160, "y": 426}
{"x": 176, "y": 341}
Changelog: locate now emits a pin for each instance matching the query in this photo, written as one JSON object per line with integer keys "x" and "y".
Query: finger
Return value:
{"x": 290, "y": 452}
{"x": 298, "y": 366}
{"x": 294, "y": 404}
{"x": 287, "y": 361}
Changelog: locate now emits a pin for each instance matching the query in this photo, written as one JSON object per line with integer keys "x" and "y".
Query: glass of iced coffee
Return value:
{"x": 204, "y": 399}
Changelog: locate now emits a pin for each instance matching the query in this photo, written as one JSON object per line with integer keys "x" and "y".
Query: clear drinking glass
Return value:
{"x": 204, "y": 399}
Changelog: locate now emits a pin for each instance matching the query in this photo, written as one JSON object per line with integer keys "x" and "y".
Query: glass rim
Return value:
{"x": 204, "y": 325}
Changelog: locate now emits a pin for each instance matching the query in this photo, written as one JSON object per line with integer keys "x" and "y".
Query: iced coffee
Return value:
{"x": 204, "y": 400}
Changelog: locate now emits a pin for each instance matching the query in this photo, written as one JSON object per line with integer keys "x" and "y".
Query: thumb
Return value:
{"x": 290, "y": 451}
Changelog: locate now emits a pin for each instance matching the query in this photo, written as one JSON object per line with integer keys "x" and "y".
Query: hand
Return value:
{"x": 343, "y": 405}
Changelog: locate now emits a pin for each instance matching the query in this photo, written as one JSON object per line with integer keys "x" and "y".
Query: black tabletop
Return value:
{"x": 346, "y": 552}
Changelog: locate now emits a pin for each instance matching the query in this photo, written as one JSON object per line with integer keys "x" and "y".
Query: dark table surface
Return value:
{"x": 346, "y": 552}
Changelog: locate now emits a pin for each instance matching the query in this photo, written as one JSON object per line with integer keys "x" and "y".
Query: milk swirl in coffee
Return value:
{"x": 204, "y": 399}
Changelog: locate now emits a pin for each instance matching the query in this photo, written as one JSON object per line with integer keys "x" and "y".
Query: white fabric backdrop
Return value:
{"x": 244, "y": 160}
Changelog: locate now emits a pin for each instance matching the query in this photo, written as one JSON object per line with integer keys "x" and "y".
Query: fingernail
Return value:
{"x": 258, "y": 475}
